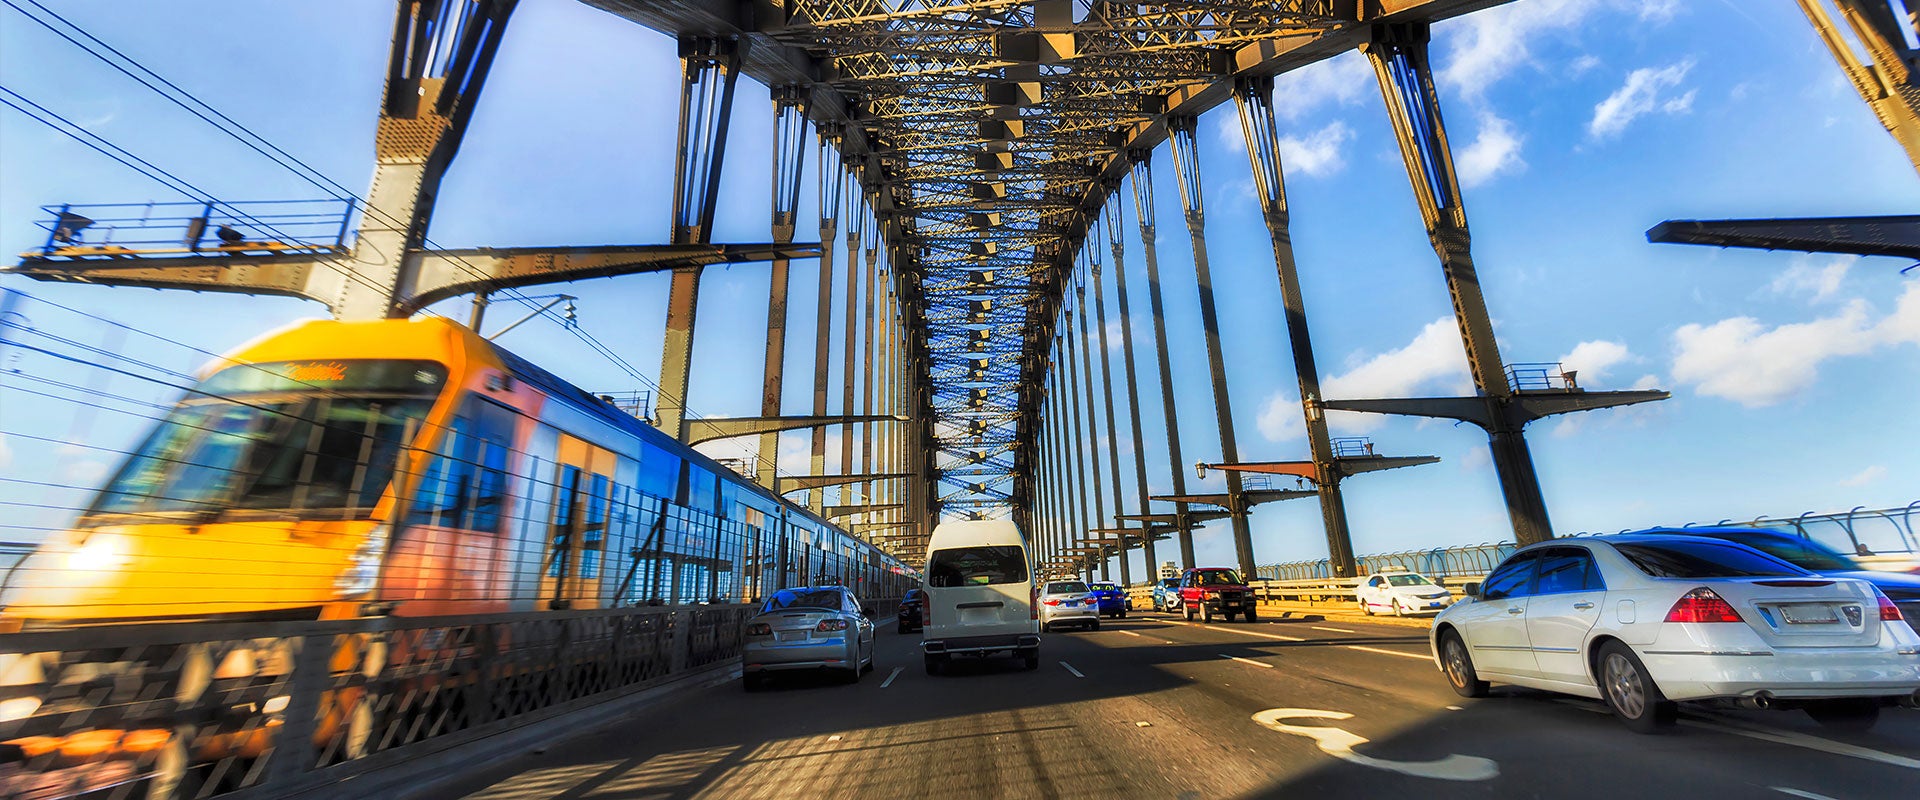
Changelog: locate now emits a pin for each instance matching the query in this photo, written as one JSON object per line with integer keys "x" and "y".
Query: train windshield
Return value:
{"x": 287, "y": 437}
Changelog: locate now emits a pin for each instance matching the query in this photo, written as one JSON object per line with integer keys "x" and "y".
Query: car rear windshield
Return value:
{"x": 977, "y": 566}
{"x": 796, "y": 599}
{"x": 1703, "y": 560}
{"x": 1066, "y": 587}
{"x": 1105, "y": 587}
{"x": 1408, "y": 580}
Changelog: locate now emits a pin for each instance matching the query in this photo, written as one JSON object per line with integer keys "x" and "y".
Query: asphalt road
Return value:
{"x": 1154, "y": 707}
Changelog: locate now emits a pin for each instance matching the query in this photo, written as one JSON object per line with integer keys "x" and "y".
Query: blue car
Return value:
{"x": 1166, "y": 595}
{"x": 1900, "y": 587}
{"x": 1112, "y": 601}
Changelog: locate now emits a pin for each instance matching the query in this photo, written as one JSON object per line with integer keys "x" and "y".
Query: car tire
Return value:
{"x": 1457, "y": 663}
{"x": 1123, "y": 614}
{"x": 1631, "y": 693}
{"x": 903, "y": 629}
{"x": 935, "y": 664}
{"x": 1852, "y": 715}
{"x": 1094, "y": 626}
{"x": 1206, "y": 613}
{"x": 1366, "y": 608}
{"x": 1187, "y": 610}
{"x": 1030, "y": 660}
{"x": 1251, "y": 615}
{"x": 1396, "y": 608}
{"x": 750, "y": 682}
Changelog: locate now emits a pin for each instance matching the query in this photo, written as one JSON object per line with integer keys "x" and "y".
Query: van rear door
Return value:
{"x": 981, "y": 590}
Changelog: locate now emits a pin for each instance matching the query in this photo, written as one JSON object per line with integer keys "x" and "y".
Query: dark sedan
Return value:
{"x": 1900, "y": 587}
{"x": 912, "y": 611}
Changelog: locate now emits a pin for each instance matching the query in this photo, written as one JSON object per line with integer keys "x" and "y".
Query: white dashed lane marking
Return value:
{"x": 1131, "y": 633}
{"x": 890, "y": 676}
{"x": 1246, "y": 660}
{"x": 1335, "y": 630}
{"x": 1421, "y": 656}
{"x": 1076, "y": 673}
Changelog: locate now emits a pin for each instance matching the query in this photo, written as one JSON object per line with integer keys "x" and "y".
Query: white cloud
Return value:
{"x": 1865, "y": 476}
{"x": 1435, "y": 359}
{"x": 1227, "y": 130}
{"x": 1496, "y": 150}
{"x": 1345, "y": 79}
{"x": 1647, "y": 382}
{"x": 1281, "y": 419}
{"x": 1805, "y": 276}
{"x": 1743, "y": 360}
{"x": 1593, "y": 359}
{"x": 1645, "y": 91}
{"x": 1583, "y": 65}
{"x": 1318, "y": 153}
{"x": 1903, "y": 325}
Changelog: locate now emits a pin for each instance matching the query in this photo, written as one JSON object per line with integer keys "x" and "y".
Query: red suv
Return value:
{"x": 1207, "y": 591}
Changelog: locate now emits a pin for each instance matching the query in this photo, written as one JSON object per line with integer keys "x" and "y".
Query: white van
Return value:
{"x": 979, "y": 594}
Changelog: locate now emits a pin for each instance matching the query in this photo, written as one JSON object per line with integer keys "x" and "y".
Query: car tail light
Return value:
{"x": 759, "y": 629}
{"x": 831, "y": 625}
{"x": 1702, "y": 605}
{"x": 1093, "y": 601}
{"x": 1888, "y": 611}
{"x": 1053, "y": 602}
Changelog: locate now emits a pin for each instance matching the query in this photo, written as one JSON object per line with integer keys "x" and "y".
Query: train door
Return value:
{"x": 582, "y": 494}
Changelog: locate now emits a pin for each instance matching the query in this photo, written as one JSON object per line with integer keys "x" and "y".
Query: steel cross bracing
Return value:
{"x": 987, "y": 136}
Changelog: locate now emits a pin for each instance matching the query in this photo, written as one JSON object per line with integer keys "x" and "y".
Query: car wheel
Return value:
{"x": 1396, "y": 608}
{"x": 1250, "y": 615}
{"x": 1366, "y": 608}
{"x": 1187, "y": 610}
{"x": 1459, "y": 667}
{"x": 935, "y": 664}
{"x": 1094, "y": 626}
{"x": 1854, "y": 715}
{"x": 1206, "y": 613}
{"x": 1631, "y": 693}
{"x": 751, "y": 682}
{"x": 1123, "y": 614}
{"x": 902, "y": 628}
{"x": 1030, "y": 660}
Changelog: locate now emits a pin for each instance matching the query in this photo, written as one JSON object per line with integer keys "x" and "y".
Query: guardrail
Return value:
{"x": 271, "y": 709}
{"x": 1438, "y": 562}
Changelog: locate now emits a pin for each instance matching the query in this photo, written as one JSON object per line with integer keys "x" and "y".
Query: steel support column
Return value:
{"x": 1099, "y": 518}
{"x": 832, "y": 175}
{"x": 1398, "y": 53}
{"x": 1143, "y": 207}
{"x": 1116, "y": 239}
{"x": 1255, "y": 100}
{"x": 857, "y": 236}
{"x": 708, "y": 70}
{"x": 789, "y": 156}
{"x": 1186, "y": 163}
{"x": 1106, "y": 384}
{"x": 1888, "y": 83}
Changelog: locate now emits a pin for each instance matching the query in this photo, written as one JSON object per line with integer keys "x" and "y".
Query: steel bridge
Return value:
{"x": 977, "y": 162}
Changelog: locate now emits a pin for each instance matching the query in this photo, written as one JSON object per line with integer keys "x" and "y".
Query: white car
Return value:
{"x": 1068, "y": 603}
{"x": 1399, "y": 592}
{"x": 1641, "y": 621}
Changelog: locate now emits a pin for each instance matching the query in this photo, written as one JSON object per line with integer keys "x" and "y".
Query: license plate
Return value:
{"x": 1433, "y": 605}
{"x": 789, "y": 636}
{"x": 1809, "y": 614}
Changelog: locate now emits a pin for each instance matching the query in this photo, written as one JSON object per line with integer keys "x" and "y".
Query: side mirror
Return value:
{"x": 1471, "y": 590}
{"x": 867, "y": 609}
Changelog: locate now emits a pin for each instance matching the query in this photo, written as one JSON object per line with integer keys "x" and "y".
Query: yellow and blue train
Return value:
{"x": 333, "y": 470}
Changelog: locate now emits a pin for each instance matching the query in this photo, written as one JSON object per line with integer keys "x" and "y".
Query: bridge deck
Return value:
{"x": 995, "y": 731}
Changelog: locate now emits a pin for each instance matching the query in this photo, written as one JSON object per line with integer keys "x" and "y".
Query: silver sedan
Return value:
{"x": 809, "y": 628}
{"x": 1068, "y": 603}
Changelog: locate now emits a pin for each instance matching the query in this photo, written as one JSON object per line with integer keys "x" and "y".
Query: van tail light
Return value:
{"x": 1033, "y": 603}
{"x": 1702, "y": 605}
{"x": 831, "y": 625}
{"x": 1888, "y": 611}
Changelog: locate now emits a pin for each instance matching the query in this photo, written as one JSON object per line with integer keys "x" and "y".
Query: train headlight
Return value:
{"x": 363, "y": 569}
{"x": 101, "y": 552}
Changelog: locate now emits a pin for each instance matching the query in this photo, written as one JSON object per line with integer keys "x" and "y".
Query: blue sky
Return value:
{"x": 1576, "y": 125}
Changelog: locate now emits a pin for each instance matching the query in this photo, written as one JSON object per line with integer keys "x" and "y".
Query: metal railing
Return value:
{"x": 1439, "y": 562}
{"x": 122, "y": 230}
{"x": 204, "y": 709}
{"x": 1548, "y": 376}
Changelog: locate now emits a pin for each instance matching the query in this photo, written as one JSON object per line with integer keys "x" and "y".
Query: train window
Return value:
{"x": 700, "y": 490}
{"x": 659, "y": 472}
{"x": 465, "y": 486}
{"x": 565, "y": 500}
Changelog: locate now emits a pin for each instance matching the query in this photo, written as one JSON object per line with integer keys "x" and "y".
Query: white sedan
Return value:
{"x": 1399, "y": 592}
{"x": 1068, "y": 603}
{"x": 1642, "y": 621}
